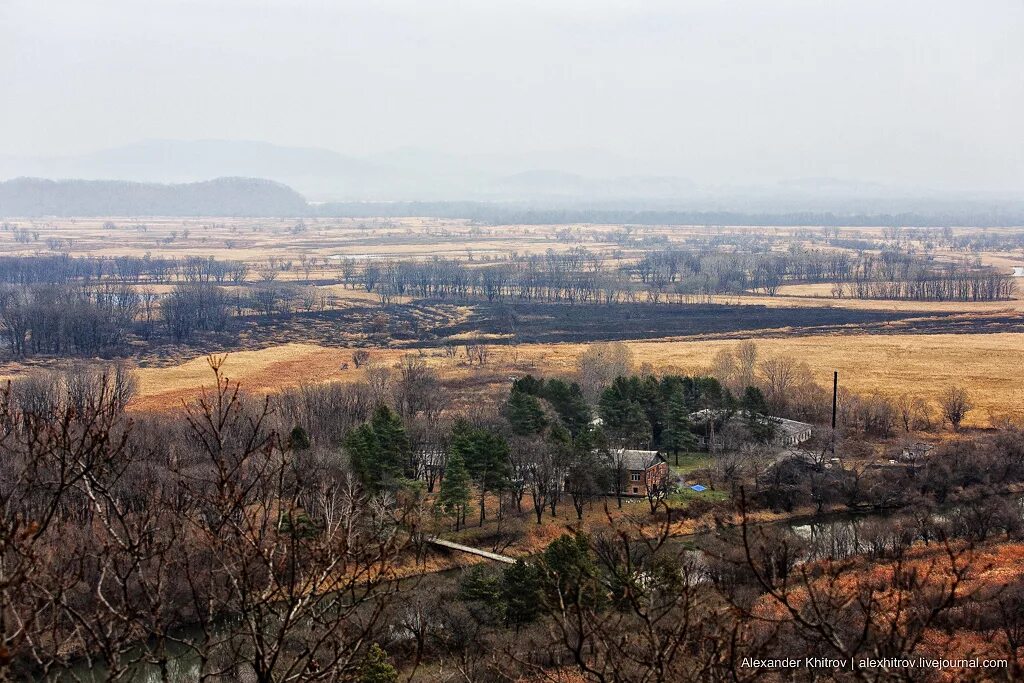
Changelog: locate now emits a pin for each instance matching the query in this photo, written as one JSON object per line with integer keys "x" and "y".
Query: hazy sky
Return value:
{"x": 927, "y": 93}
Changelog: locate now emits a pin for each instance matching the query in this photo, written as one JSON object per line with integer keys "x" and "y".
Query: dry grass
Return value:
{"x": 257, "y": 240}
{"x": 265, "y": 370}
{"x": 925, "y": 365}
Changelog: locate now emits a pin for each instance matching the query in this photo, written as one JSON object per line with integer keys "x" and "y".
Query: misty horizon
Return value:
{"x": 915, "y": 96}
{"x": 415, "y": 173}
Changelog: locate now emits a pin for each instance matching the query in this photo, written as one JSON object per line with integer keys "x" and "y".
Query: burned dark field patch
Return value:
{"x": 546, "y": 323}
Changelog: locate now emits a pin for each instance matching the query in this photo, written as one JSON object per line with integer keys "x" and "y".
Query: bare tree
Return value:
{"x": 955, "y": 403}
{"x": 418, "y": 388}
{"x": 778, "y": 375}
{"x": 746, "y": 364}
{"x": 602, "y": 363}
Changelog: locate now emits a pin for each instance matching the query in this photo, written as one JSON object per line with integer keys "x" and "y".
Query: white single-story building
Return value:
{"x": 787, "y": 432}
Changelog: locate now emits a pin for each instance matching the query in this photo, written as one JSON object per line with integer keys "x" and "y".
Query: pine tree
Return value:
{"x": 569, "y": 569}
{"x": 520, "y": 593}
{"x": 524, "y": 413}
{"x": 299, "y": 438}
{"x": 677, "y": 436}
{"x": 376, "y": 668}
{"x": 486, "y": 457}
{"x": 755, "y": 413}
{"x": 360, "y": 446}
{"x": 379, "y": 450}
{"x": 391, "y": 440}
{"x": 528, "y": 385}
{"x": 454, "y": 495}
{"x": 570, "y": 404}
{"x": 634, "y": 428}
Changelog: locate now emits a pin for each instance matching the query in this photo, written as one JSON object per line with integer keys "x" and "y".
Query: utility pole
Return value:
{"x": 835, "y": 395}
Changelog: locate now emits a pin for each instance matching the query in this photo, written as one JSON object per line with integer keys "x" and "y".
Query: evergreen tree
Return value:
{"x": 520, "y": 593}
{"x": 528, "y": 385}
{"x": 570, "y": 571}
{"x": 299, "y": 438}
{"x": 524, "y": 413}
{"x": 376, "y": 668}
{"x": 480, "y": 583}
{"x": 647, "y": 394}
{"x": 625, "y": 420}
{"x": 634, "y": 430}
{"x": 486, "y": 456}
{"x": 677, "y": 435}
{"x": 361, "y": 447}
{"x": 454, "y": 495}
{"x": 379, "y": 450}
{"x": 570, "y": 404}
{"x": 753, "y": 401}
{"x": 391, "y": 439}
{"x": 481, "y": 587}
{"x": 754, "y": 407}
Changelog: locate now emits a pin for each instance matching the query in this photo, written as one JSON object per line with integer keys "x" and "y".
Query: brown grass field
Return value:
{"x": 985, "y": 364}
{"x": 256, "y": 240}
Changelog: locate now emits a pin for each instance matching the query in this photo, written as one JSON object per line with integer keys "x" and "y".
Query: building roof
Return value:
{"x": 790, "y": 426}
{"x": 783, "y": 424}
{"x": 636, "y": 459}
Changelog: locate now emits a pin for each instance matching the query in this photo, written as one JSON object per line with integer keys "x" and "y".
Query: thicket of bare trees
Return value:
{"x": 677, "y": 275}
{"x": 791, "y": 391}
{"x": 116, "y": 536}
{"x": 238, "y": 538}
{"x": 106, "y": 300}
{"x": 602, "y": 363}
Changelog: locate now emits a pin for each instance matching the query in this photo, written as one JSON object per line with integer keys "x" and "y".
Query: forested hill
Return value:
{"x": 256, "y": 197}
{"x": 219, "y": 197}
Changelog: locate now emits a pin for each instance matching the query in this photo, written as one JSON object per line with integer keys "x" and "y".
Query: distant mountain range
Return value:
{"x": 168, "y": 177}
{"x": 403, "y": 174}
{"x": 35, "y": 197}
{"x": 220, "y": 197}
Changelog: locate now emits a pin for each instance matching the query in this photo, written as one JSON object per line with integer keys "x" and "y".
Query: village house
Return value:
{"x": 640, "y": 471}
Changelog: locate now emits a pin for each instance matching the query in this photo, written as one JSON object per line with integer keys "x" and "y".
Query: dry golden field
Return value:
{"x": 256, "y": 240}
{"x": 986, "y": 364}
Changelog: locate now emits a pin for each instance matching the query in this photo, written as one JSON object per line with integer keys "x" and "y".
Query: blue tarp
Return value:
{"x": 698, "y": 488}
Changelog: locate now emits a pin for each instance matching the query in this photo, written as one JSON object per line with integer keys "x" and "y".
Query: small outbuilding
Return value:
{"x": 790, "y": 432}
{"x": 786, "y": 432}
